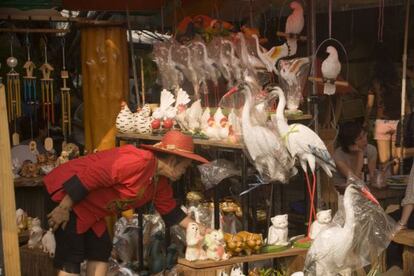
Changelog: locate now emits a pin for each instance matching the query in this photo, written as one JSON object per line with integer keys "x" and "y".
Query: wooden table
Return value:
{"x": 406, "y": 238}
{"x": 294, "y": 256}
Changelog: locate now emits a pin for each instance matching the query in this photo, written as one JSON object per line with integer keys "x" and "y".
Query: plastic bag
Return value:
{"x": 214, "y": 172}
{"x": 359, "y": 231}
{"x": 292, "y": 78}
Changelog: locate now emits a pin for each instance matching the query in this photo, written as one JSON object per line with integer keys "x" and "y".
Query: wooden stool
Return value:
{"x": 406, "y": 238}
{"x": 295, "y": 258}
{"x": 36, "y": 263}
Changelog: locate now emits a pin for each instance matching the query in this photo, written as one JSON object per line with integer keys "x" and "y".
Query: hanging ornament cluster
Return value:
{"x": 65, "y": 97}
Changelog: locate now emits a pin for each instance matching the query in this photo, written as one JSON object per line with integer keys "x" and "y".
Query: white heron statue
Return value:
{"x": 365, "y": 232}
{"x": 304, "y": 144}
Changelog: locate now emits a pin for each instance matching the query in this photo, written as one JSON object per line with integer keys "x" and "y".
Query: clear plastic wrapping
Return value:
{"x": 359, "y": 233}
{"x": 216, "y": 171}
{"x": 292, "y": 78}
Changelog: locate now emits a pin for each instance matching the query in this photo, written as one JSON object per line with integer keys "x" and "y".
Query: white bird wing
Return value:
{"x": 302, "y": 139}
{"x": 182, "y": 98}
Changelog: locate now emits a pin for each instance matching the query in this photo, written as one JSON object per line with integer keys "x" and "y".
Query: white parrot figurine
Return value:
{"x": 331, "y": 67}
{"x": 165, "y": 110}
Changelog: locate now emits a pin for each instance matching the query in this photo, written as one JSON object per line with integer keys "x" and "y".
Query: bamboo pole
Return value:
{"x": 7, "y": 200}
{"x": 404, "y": 81}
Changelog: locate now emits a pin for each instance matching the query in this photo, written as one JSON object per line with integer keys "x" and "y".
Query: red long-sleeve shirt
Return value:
{"x": 110, "y": 181}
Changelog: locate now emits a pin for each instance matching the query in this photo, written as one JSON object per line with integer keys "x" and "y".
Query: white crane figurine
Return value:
{"x": 304, "y": 144}
{"x": 263, "y": 144}
{"x": 365, "y": 232}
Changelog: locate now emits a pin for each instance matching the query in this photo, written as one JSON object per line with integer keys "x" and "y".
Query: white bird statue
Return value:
{"x": 193, "y": 116}
{"x": 304, "y": 144}
{"x": 331, "y": 67}
{"x": 295, "y": 21}
{"x": 181, "y": 106}
{"x": 365, "y": 232}
{"x": 264, "y": 145}
{"x": 165, "y": 110}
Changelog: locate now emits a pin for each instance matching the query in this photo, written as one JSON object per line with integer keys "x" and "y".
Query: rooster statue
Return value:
{"x": 331, "y": 67}
{"x": 125, "y": 119}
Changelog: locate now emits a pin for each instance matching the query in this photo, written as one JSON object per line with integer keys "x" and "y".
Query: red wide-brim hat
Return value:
{"x": 177, "y": 143}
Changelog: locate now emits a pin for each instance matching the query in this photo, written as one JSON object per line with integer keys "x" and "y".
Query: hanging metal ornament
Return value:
{"x": 14, "y": 103}
{"x": 29, "y": 94}
{"x": 48, "y": 110}
{"x": 65, "y": 98}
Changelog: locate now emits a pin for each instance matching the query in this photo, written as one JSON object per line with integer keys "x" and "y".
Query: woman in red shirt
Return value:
{"x": 92, "y": 187}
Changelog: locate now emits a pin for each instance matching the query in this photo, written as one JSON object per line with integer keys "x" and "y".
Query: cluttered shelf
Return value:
{"x": 198, "y": 141}
{"x": 243, "y": 259}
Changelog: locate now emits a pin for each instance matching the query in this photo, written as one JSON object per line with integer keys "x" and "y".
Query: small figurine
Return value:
{"x": 252, "y": 242}
{"x": 63, "y": 158}
{"x": 29, "y": 169}
{"x": 72, "y": 150}
{"x": 234, "y": 244}
{"x": 49, "y": 243}
{"x": 323, "y": 221}
{"x": 41, "y": 159}
{"x": 36, "y": 233}
{"x": 21, "y": 220}
{"x": 278, "y": 232}
{"x": 194, "y": 240}
{"x": 236, "y": 271}
{"x": 215, "y": 245}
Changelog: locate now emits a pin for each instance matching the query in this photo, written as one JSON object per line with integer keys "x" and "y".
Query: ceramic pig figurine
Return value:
{"x": 49, "y": 243}
{"x": 36, "y": 232}
{"x": 194, "y": 241}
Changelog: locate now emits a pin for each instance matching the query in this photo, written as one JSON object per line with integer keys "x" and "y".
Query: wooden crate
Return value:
{"x": 35, "y": 263}
{"x": 295, "y": 258}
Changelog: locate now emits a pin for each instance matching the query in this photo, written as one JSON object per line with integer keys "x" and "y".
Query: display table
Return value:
{"x": 294, "y": 256}
{"x": 406, "y": 238}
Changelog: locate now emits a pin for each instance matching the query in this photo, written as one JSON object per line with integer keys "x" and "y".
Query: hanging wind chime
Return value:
{"x": 65, "y": 98}
{"x": 14, "y": 103}
{"x": 48, "y": 110}
{"x": 29, "y": 93}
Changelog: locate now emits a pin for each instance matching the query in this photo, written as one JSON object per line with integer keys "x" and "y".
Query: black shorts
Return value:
{"x": 73, "y": 248}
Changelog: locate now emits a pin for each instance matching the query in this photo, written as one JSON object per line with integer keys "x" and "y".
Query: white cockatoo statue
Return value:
{"x": 165, "y": 110}
{"x": 193, "y": 116}
{"x": 295, "y": 21}
{"x": 331, "y": 67}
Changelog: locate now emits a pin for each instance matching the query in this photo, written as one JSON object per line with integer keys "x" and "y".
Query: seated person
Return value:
{"x": 349, "y": 156}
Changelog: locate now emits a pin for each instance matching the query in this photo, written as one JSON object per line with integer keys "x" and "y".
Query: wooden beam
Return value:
{"x": 7, "y": 200}
{"x": 25, "y": 30}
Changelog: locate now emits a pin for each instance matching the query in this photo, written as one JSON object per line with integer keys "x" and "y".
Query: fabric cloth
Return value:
{"x": 387, "y": 101}
{"x": 350, "y": 161}
{"x": 409, "y": 191}
{"x": 385, "y": 130}
{"x": 73, "y": 248}
{"x": 111, "y": 181}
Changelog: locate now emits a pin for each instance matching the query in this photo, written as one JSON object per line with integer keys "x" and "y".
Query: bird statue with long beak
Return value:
{"x": 304, "y": 144}
{"x": 360, "y": 231}
{"x": 331, "y": 67}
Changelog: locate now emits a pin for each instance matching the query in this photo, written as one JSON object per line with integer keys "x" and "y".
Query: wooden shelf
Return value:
{"x": 203, "y": 142}
{"x": 244, "y": 259}
{"x": 28, "y": 182}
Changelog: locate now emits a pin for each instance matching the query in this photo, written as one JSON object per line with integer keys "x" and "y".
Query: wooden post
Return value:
{"x": 7, "y": 199}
